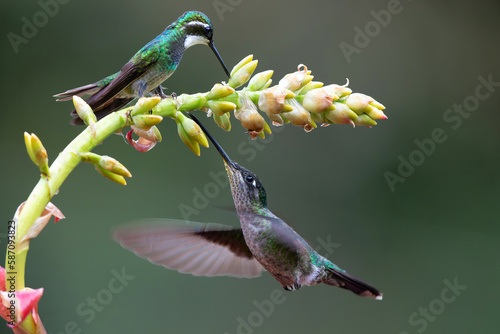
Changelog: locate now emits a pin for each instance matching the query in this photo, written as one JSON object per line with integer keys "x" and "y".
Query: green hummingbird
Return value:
{"x": 264, "y": 241}
{"x": 148, "y": 68}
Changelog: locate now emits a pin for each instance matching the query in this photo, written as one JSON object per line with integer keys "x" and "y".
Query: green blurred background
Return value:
{"x": 439, "y": 224}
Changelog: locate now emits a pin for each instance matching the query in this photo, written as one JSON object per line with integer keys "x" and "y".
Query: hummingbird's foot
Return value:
{"x": 173, "y": 95}
{"x": 295, "y": 286}
{"x": 159, "y": 91}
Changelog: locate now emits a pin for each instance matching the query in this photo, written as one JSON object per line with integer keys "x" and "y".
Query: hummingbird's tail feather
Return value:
{"x": 194, "y": 248}
{"x": 345, "y": 281}
{"x": 90, "y": 89}
{"x": 103, "y": 110}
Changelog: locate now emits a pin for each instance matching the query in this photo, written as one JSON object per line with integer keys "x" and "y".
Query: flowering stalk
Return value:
{"x": 296, "y": 99}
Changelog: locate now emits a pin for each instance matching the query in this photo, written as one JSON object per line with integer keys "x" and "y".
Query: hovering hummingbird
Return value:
{"x": 264, "y": 241}
{"x": 148, "y": 68}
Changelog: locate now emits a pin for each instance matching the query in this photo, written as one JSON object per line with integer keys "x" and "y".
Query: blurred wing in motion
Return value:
{"x": 194, "y": 248}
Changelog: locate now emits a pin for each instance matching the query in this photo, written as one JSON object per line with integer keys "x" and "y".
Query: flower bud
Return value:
{"x": 191, "y": 101}
{"x": 272, "y": 100}
{"x": 249, "y": 117}
{"x": 193, "y": 130}
{"x": 114, "y": 166}
{"x": 84, "y": 111}
{"x": 365, "y": 120}
{"x": 260, "y": 81}
{"x": 37, "y": 152}
{"x": 219, "y": 108}
{"x": 310, "y": 86}
{"x": 341, "y": 114}
{"x": 364, "y": 104}
{"x": 241, "y": 76}
{"x": 187, "y": 139}
{"x": 319, "y": 100}
{"x": 146, "y": 121}
{"x": 112, "y": 176}
{"x": 299, "y": 116}
{"x": 166, "y": 108}
{"x": 338, "y": 90}
{"x": 107, "y": 167}
{"x": 219, "y": 91}
{"x": 242, "y": 63}
{"x": 223, "y": 121}
{"x": 145, "y": 104}
{"x": 297, "y": 80}
{"x": 153, "y": 134}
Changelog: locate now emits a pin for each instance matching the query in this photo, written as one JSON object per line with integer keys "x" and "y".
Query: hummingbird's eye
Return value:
{"x": 208, "y": 32}
{"x": 249, "y": 178}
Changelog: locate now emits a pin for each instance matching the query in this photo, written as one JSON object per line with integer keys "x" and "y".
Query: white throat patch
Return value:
{"x": 193, "y": 40}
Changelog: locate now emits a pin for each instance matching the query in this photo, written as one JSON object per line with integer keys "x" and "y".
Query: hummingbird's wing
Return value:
{"x": 195, "y": 248}
{"x": 286, "y": 235}
{"x": 104, "y": 101}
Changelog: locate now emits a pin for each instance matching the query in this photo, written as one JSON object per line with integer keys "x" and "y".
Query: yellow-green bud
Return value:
{"x": 84, "y": 111}
{"x": 187, "y": 139}
{"x": 191, "y": 102}
{"x": 249, "y": 117}
{"x": 299, "y": 116}
{"x": 219, "y": 91}
{"x": 112, "y": 176}
{"x": 37, "y": 152}
{"x": 365, "y": 120}
{"x": 364, "y": 104}
{"x": 114, "y": 166}
{"x": 342, "y": 114}
{"x": 166, "y": 108}
{"x": 193, "y": 129}
{"x": 242, "y": 63}
{"x": 223, "y": 121}
{"x": 310, "y": 86}
{"x": 260, "y": 80}
{"x": 219, "y": 108}
{"x": 145, "y": 104}
{"x": 145, "y": 121}
{"x": 297, "y": 80}
{"x": 319, "y": 100}
{"x": 241, "y": 76}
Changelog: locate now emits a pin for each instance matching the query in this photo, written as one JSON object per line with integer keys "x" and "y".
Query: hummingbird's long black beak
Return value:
{"x": 216, "y": 144}
{"x": 212, "y": 46}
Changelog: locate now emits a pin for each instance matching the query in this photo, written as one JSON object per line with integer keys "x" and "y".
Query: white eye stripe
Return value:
{"x": 197, "y": 23}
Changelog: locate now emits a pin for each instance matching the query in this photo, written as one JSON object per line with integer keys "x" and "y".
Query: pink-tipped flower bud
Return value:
{"x": 299, "y": 116}
{"x": 319, "y": 100}
{"x": 341, "y": 114}
{"x": 272, "y": 100}
{"x": 297, "y": 80}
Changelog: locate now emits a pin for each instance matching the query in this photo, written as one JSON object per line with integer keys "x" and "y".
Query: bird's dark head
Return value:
{"x": 197, "y": 29}
{"x": 248, "y": 192}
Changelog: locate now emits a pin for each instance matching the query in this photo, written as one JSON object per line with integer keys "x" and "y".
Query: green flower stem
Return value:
{"x": 47, "y": 187}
